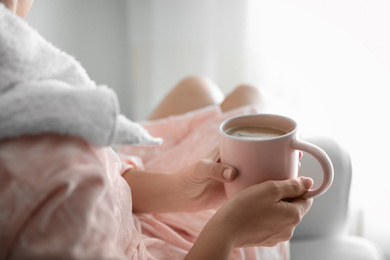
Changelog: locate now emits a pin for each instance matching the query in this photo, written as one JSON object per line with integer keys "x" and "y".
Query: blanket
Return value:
{"x": 45, "y": 90}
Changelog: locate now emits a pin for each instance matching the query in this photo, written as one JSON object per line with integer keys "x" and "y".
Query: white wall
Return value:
{"x": 172, "y": 39}
{"x": 94, "y": 31}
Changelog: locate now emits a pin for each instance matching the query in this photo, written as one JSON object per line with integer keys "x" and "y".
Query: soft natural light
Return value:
{"x": 338, "y": 86}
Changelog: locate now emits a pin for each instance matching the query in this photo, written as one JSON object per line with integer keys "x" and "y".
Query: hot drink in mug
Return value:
{"x": 266, "y": 147}
{"x": 254, "y": 132}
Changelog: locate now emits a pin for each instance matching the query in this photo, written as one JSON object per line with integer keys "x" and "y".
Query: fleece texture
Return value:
{"x": 45, "y": 90}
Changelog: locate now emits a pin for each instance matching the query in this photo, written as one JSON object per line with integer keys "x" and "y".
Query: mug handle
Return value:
{"x": 325, "y": 163}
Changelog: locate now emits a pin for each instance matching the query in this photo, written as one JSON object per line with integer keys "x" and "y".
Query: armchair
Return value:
{"x": 322, "y": 234}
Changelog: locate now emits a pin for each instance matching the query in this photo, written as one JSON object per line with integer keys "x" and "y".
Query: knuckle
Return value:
{"x": 201, "y": 164}
{"x": 296, "y": 219}
{"x": 296, "y": 185}
{"x": 288, "y": 235}
{"x": 272, "y": 186}
{"x": 296, "y": 216}
{"x": 199, "y": 168}
{"x": 308, "y": 204}
{"x": 207, "y": 167}
{"x": 275, "y": 189}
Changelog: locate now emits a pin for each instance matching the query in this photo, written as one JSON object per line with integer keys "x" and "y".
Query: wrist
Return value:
{"x": 214, "y": 242}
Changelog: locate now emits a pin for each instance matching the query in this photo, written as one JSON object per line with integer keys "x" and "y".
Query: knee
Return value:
{"x": 196, "y": 83}
{"x": 247, "y": 93}
{"x": 199, "y": 86}
{"x": 246, "y": 90}
{"x": 242, "y": 95}
{"x": 194, "y": 79}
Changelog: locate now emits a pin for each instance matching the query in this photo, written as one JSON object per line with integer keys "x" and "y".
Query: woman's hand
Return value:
{"x": 261, "y": 215}
{"x": 267, "y": 213}
{"x": 202, "y": 183}
{"x": 196, "y": 187}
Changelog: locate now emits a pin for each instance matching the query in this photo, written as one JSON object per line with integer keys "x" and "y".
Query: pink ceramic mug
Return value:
{"x": 267, "y": 158}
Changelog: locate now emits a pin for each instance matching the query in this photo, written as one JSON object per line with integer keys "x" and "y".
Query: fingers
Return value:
{"x": 212, "y": 168}
{"x": 218, "y": 171}
{"x": 302, "y": 205}
{"x": 272, "y": 218}
{"x": 293, "y": 188}
{"x": 307, "y": 182}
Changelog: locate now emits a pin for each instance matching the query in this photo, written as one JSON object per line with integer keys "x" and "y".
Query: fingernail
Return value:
{"x": 227, "y": 173}
{"x": 307, "y": 182}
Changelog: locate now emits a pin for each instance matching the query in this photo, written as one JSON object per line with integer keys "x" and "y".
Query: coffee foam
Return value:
{"x": 254, "y": 132}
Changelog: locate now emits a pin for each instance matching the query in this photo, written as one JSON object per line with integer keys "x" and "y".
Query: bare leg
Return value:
{"x": 241, "y": 96}
{"x": 189, "y": 94}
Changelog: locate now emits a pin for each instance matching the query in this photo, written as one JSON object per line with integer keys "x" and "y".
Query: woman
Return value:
{"x": 65, "y": 193}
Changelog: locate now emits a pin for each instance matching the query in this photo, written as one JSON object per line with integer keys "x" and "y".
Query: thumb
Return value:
{"x": 213, "y": 155}
{"x": 292, "y": 188}
{"x": 218, "y": 171}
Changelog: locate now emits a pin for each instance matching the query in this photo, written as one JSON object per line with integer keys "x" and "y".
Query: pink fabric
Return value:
{"x": 63, "y": 198}
{"x": 187, "y": 138}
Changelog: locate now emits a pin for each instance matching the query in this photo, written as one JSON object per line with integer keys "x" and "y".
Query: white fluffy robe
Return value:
{"x": 44, "y": 90}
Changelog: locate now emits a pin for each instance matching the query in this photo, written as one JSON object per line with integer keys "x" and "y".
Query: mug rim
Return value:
{"x": 226, "y": 121}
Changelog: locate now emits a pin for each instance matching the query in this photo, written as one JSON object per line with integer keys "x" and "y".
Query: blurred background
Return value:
{"x": 325, "y": 63}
